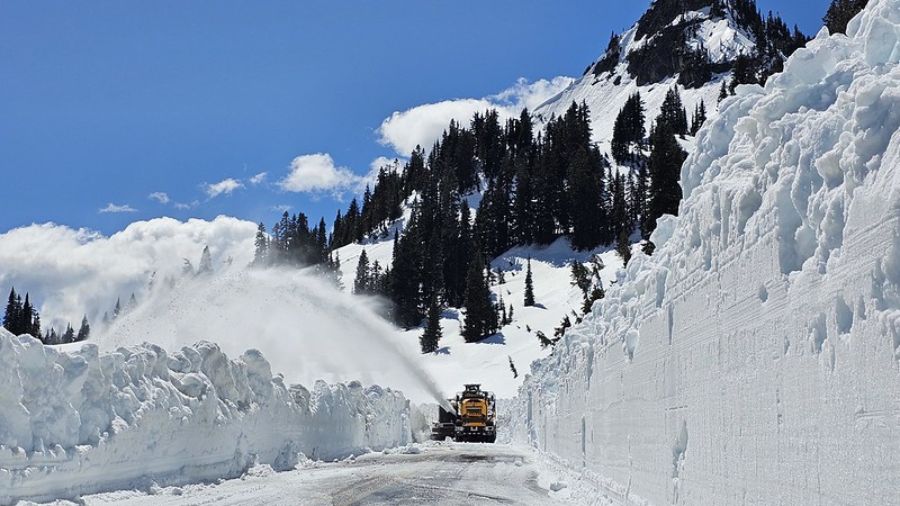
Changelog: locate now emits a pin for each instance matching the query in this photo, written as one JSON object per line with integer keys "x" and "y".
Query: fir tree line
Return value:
{"x": 840, "y": 12}
{"x": 21, "y": 317}
{"x": 534, "y": 190}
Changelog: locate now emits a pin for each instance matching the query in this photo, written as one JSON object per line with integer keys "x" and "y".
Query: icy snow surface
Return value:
{"x": 84, "y": 422}
{"x": 755, "y": 358}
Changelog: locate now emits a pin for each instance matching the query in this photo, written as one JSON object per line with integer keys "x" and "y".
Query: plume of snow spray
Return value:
{"x": 306, "y": 327}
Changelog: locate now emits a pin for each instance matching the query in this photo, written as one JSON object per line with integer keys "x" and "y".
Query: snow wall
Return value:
{"x": 754, "y": 358}
{"x": 83, "y": 422}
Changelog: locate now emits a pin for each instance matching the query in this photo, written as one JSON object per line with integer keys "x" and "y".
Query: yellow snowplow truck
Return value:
{"x": 471, "y": 420}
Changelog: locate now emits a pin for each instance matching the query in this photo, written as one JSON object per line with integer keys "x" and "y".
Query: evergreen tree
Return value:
{"x": 26, "y": 317}
{"x": 529, "y": 287}
{"x": 666, "y": 158}
{"x": 205, "y": 262}
{"x": 406, "y": 274}
{"x": 11, "y": 316}
{"x": 362, "y": 282}
{"x": 699, "y": 118}
{"x": 84, "y": 332}
{"x": 69, "y": 335}
{"x": 629, "y": 131}
{"x": 596, "y": 294}
{"x": 117, "y": 310}
{"x": 723, "y": 92}
{"x": 481, "y": 316}
{"x": 543, "y": 339}
{"x": 36, "y": 326}
{"x": 623, "y": 247}
{"x": 261, "y": 243}
{"x": 588, "y": 216}
{"x": 432, "y": 334}
{"x": 840, "y": 12}
{"x": 672, "y": 113}
{"x": 581, "y": 277}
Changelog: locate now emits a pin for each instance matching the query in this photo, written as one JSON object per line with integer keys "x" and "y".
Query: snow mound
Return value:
{"x": 84, "y": 422}
{"x": 762, "y": 340}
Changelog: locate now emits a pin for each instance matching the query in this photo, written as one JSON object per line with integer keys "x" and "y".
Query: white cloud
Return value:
{"x": 161, "y": 197}
{"x": 318, "y": 173}
{"x": 281, "y": 208}
{"x": 225, "y": 186}
{"x": 115, "y": 208}
{"x": 75, "y": 272}
{"x": 424, "y": 124}
{"x": 182, "y": 206}
{"x": 259, "y": 178}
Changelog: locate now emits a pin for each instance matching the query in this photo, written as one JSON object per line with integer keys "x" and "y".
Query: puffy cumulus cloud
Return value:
{"x": 116, "y": 208}
{"x": 317, "y": 173}
{"x": 422, "y": 125}
{"x": 259, "y": 178}
{"x": 161, "y": 197}
{"x": 226, "y": 187}
{"x": 72, "y": 272}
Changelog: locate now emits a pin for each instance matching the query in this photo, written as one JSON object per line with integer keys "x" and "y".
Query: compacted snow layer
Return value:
{"x": 755, "y": 358}
{"x": 81, "y": 422}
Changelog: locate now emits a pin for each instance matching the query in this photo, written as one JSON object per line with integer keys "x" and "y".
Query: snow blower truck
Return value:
{"x": 472, "y": 418}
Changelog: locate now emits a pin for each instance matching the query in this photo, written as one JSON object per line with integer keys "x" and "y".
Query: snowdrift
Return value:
{"x": 84, "y": 422}
{"x": 755, "y": 358}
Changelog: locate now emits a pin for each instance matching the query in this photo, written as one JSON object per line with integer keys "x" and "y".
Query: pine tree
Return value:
{"x": 581, "y": 277}
{"x": 261, "y": 243}
{"x": 11, "y": 316}
{"x": 406, "y": 274}
{"x": 672, "y": 113}
{"x": 596, "y": 294}
{"x": 205, "y": 262}
{"x": 840, "y": 12}
{"x": 69, "y": 335}
{"x": 585, "y": 200}
{"x": 629, "y": 131}
{"x": 723, "y": 92}
{"x": 26, "y": 317}
{"x": 666, "y": 158}
{"x": 623, "y": 247}
{"x": 512, "y": 367}
{"x": 543, "y": 339}
{"x": 481, "y": 316}
{"x": 84, "y": 332}
{"x": 699, "y": 118}
{"x": 118, "y": 309}
{"x": 36, "y": 326}
{"x": 529, "y": 287}
{"x": 432, "y": 334}
{"x": 363, "y": 281}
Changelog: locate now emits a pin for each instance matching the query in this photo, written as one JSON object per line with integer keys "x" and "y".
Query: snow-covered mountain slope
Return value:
{"x": 80, "y": 422}
{"x": 487, "y": 362}
{"x": 608, "y": 82}
{"x": 755, "y": 358}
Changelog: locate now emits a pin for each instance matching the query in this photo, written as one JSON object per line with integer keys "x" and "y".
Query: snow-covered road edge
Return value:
{"x": 82, "y": 422}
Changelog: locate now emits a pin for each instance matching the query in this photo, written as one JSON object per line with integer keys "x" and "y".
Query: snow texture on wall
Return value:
{"x": 83, "y": 422}
{"x": 755, "y": 358}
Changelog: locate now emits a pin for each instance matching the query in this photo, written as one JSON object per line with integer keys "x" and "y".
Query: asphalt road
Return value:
{"x": 445, "y": 474}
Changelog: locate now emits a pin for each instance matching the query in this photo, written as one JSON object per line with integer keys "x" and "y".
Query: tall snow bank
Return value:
{"x": 82, "y": 422}
{"x": 755, "y": 358}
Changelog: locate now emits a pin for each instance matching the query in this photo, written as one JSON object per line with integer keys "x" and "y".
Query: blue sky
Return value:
{"x": 108, "y": 102}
